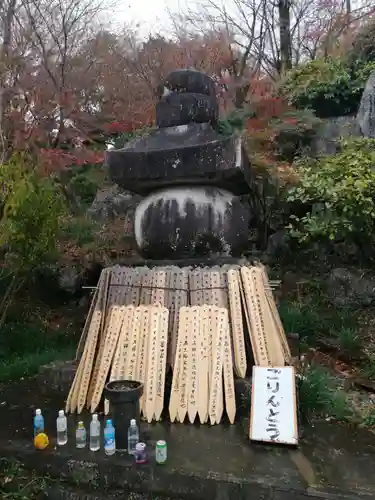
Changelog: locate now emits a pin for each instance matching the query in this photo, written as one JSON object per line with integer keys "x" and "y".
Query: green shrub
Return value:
{"x": 84, "y": 187}
{"x": 293, "y": 133}
{"x": 30, "y": 223}
{"x": 85, "y": 181}
{"x": 80, "y": 231}
{"x": 363, "y": 72}
{"x": 234, "y": 121}
{"x": 341, "y": 190}
{"x": 328, "y": 87}
{"x": 123, "y": 139}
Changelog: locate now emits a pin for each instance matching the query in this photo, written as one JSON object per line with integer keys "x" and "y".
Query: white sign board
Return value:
{"x": 273, "y": 417}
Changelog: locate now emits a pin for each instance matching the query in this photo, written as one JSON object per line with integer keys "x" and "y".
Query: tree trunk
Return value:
{"x": 9, "y": 296}
{"x": 285, "y": 36}
{"x": 4, "y": 70}
{"x": 240, "y": 96}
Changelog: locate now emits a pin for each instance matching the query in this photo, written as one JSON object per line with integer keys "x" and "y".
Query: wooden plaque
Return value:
{"x": 142, "y": 361}
{"x": 273, "y": 417}
{"x": 203, "y": 365}
{"x": 239, "y": 347}
{"x": 152, "y": 363}
{"x": 192, "y": 386}
{"x": 175, "y": 391}
{"x": 162, "y": 361}
{"x": 216, "y": 385}
{"x": 183, "y": 373}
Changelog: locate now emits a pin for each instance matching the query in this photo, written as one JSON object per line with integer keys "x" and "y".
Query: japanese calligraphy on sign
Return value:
{"x": 273, "y": 416}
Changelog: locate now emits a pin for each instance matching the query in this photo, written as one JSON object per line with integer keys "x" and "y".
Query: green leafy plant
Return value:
{"x": 328, "y": 87}
{"x": 369, "y": 419}
{"x": 363, "y": 71}
{"x": 18, "y": 484}
{"x": 318, "y": 396}
{"x": 123, "y": 139}
{"x": 350, "y": 342}
{"x": 30, "y": 222}
{"x": 234, "y": 121}
{"x": 79, "y": 230}
{"x": 293, "y": 133}
{"x": 341, "y": 190}
{"x": 368, "y": 369}
{"x": 301, "y": 319}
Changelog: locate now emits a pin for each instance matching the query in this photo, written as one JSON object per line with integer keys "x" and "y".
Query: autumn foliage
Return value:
{"x": 71, "y": 85}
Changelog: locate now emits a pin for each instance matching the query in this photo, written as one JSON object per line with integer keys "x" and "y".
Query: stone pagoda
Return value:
{"x": 191, "y": 177}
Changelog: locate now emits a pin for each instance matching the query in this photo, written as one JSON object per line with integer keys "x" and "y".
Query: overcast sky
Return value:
{"x": 151, "y": 15}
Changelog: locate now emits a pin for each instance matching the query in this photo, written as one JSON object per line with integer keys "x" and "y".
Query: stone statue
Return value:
{"x": 190, "y": 176}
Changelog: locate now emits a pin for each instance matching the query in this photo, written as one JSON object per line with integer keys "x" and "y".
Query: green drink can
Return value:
{"x": 161, "y": 452}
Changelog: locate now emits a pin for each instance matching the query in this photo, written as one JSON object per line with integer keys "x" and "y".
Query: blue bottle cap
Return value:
{"x": 109, "y": 422}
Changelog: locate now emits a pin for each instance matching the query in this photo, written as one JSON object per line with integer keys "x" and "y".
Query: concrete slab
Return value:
{"x": 332, "y": 462}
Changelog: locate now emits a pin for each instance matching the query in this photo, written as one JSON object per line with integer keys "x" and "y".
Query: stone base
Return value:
{"x": 191, "y": 221}
{"x": 193, "y": 154}
{"x": 205, "y": 462}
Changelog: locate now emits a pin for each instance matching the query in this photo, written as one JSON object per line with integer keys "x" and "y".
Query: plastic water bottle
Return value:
{"x": 109, "y": 439}
{"x": 80, "y": 435}
{"x": 38, "y": 422}
{"x": 133, "y": 436}
{"x": 95, "y": 433}
{"x": 62, "y": 428}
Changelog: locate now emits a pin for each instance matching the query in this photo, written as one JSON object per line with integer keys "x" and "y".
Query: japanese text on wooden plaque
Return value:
{"x": 273, "y": 405}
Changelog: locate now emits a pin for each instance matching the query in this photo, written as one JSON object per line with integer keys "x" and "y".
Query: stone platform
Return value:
{"x": 218, "y": 463}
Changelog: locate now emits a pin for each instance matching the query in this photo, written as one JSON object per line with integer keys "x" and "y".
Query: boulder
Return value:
{"x": 331, "y": 131}
{"x": 348, "y": 288}
{"x": 69, "y": 278}
{"x": 278, "y": 243}
{"x": 366, "y": 111}
{"x": 111, "y": 202}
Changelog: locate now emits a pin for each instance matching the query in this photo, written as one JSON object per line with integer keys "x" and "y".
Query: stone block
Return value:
{"x": 180, "y": 109}
{"x": 191, "y": 222}
{"x": 190, "y": 80}
{"x": 183, "y": 155}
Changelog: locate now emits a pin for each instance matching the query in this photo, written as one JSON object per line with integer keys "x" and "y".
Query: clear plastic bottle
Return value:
{"x": 80, "y": 435}
{"x": 38, "y": 422}
{"x": 133, "y": 436}
{"x": 62, "y": 428}
{"x": 109, "y": 439}
{"x": 95, "y": 433}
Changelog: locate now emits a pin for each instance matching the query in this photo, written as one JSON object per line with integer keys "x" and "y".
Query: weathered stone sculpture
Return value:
{"x": 190, "y": 175}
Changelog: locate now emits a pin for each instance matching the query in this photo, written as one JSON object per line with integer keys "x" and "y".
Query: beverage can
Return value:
{"x": 140, "y": 453}
{"x": 161, "y": 452}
